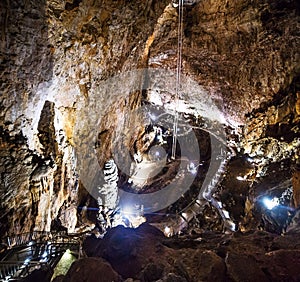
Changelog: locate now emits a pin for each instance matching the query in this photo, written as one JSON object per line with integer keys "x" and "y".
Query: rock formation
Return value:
{"x": 80, "y": 78}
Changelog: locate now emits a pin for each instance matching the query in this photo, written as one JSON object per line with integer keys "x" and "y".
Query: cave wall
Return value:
{"x": 243, "y": 52}
{"x": 55, "y": 56}
{"x": 26, "y": 61}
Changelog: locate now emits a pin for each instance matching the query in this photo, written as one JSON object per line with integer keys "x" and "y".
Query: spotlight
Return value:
{"x": 126, "y": 212}
{"x": 192, "y": 165}
{"x": 271, "y": 203}
{"x": 26, "y": 261}
{"x": 240, "y": 178}
{"x": 133, "y": 216}
{"x": 157, "y": 153}
{"x": 167, "y": 231}
{"x": 192, "y": 168}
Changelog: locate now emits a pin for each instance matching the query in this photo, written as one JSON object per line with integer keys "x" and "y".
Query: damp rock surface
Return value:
{"x": 91, "y": 269}
{"x": 148, "y": 256}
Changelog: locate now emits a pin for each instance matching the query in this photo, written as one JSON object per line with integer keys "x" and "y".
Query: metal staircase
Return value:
{"x": 30, "y": 251}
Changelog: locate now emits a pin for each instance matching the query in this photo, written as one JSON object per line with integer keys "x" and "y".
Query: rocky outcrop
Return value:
{"x": 91, "y": 269}
{"x": 143, "y": 254}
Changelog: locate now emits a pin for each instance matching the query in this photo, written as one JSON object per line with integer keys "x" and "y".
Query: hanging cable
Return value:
{"x": 178, "y": 77}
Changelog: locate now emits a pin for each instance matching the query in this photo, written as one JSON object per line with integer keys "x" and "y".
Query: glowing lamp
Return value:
{"x": 167, "y": 231}
{"x": 240, "y": 178}
{"x": 271, "y": 203}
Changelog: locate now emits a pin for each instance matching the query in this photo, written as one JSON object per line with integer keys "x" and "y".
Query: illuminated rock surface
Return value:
{"x": 60, "y": 103}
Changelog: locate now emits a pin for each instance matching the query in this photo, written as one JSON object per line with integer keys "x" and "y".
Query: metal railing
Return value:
{"x": 25, "y": 238}
{"x": 46, "y": 249}
{"x": 53, "y": 251}
{"x": 9, "y": 269}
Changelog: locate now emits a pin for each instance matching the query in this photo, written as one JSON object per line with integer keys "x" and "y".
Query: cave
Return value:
{"x": 150, "y": 140}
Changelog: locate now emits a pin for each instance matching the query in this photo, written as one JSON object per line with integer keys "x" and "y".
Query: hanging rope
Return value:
{"x": 178, "y": 77}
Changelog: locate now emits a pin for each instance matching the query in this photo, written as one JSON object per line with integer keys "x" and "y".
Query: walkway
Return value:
{"x": 30, "y": 251}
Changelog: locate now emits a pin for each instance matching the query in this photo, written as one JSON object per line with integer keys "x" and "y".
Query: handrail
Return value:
{"x": 10, "y": 268}
{"x": 53, "y": 250}
{"x": 25, "y": 238}
{"x": 53, "y": 243}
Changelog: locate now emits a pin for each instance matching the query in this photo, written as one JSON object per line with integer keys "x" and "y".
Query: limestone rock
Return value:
{"x": 279, "y": 268}
{"x": 296, "y": 188}
{"x": 92, "y": 270}
{"x": 145, "y": 255}
{"x": 127, "y": 249}
{"x": 244, "y": 268}
{"x": 203, "y": 265}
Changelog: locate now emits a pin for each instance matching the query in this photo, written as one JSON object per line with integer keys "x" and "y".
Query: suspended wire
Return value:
{"x": 178, "y": 77}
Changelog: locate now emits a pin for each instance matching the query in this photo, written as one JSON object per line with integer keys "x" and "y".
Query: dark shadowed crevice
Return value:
{"x": 72, "y": 4}
{"x": 47, "y": 130}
